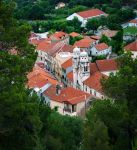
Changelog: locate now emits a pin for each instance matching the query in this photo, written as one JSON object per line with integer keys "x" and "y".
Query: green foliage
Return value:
{"x": 93, "y": 24}
{"x": 101, "y": 57}
{"x": 122, "y": 88}
{"x": 73, "y": 40}
{"x": 105, "y": 39}
{"x": 26, "y": 122}
{"x": 95, "y": 135}
{"x": 64, "y": 131}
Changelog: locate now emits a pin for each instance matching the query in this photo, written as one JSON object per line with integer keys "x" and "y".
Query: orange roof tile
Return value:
{"x": 90, "y": 13}
{"x": 67, "y": 48}
{"x": 84, "y": 43}
{"x": 133, "y": 21}
{"x": 39, "y": 77}
{"x": 67, "y": 64}
{"x": 109, "y": 33}
{"x": 69, "y": 95}
{"x": 94, "y": 81}
{"x": 42, "y": 45}
{"x": 51, "y": 48}
{"x": 74, "y": 34}
{"x": 131, "y": 47}
{"x": 101, "y": 46}
{"x": 107, "y": 65}
{"x": 93, "y": 68}
{"x": 58, "y": 35}
{"x": 95, "y": 37}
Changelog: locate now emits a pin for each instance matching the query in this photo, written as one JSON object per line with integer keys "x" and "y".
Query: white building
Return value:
{"x": 101, "y": 49}
{"x": 67, "y": 101}
{"x": 85, "y": 15}
{"x": 132, "y": 23}
{"x": 81, "y": 68}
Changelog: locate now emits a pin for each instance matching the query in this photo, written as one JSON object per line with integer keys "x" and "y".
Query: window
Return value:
{"x": 85, "y": 68}
{"x": 73, "y": 108}
{"x": 95, "y": 93}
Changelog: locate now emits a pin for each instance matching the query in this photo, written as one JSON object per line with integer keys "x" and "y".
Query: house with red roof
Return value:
{"x": 107, "y": 66}
{"x": 132, "y": 47}
{"x": 60, "y": 36}
{"x": 93, "y": 85}
{"x": 85, "y": 44}
{"x": 68, "y": 101}
{"x": 132, "y": 23}
{"x": 48, "y": 50}
{"x": 66, "y": 68}
{"x": 85, "y": 15}
{"x": 101, "y": 49}
{"x": 39, "y": 80}
{"x": 74, "y": 34}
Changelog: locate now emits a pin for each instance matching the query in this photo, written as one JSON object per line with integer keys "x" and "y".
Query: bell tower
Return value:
{"x": 76, "y": 57}
{"x": 81, "y": 68}
{"x": 84, "y": 68}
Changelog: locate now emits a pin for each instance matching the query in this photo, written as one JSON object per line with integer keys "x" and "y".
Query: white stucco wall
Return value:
{"x": 95, "y": 52}
{"x": 107, "y": 73}
{"x": 93, "y": 92}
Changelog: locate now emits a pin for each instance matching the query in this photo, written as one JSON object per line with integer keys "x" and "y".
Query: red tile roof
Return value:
{"x": 95, "y": 37}
{"x": 67, "y": 48}
{"x": 58, "y": 35}
{"x": 39, "y": 78}
{"x": 131, "y": 47}
{"x": 101, "y": 46}
{"x": 94, "y": 81}
{"x": 42, "y": 45}
{"x": 84, "y": 43}
{"x": 69, "y": 95}
{"x": 93, "y": 68}
{"x": 109, "y": 33}
{"x": 51, "y": 48}
{"x": 133, "y": 21}
{"x": 90, "y": 13}
{"x": 107, "y": 65}
{"x": 67, "y": 64}
{"x": 74, "y": 34}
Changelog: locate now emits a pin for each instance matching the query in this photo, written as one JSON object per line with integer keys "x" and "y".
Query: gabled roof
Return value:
{"x": 101, "y": 46}
{"x": 74, "y": 34}
{"x": 95, "y": 37}
{"x": 94, "y": 81}
{"x": 58, "y": 35}
{"x": 107, "y": 65}
{"x": 67, "y": 64}
{"x": 131, "y": 47}
{"x": 93, "y": 68}
{"x": 69, "y": 95}
{"x": 109, "y": 33}
{"x": 133, "y": 21}
{"x": 67, "y": 48}
{"x": 84, "y": 43}
{"x": 51, "y": 48}
{"x": 42, "y": 45}
{"x": 38, "y": 77}
{"x": 90, "y": 13}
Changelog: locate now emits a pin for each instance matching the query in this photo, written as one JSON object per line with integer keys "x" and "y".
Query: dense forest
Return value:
{"x": 27, "y": 123}
{"x": 43, "y": 16}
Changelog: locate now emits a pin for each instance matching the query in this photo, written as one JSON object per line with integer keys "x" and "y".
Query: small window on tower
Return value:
{"x": 86, "y": 68}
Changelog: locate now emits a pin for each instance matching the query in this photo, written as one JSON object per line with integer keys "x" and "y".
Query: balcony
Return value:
{"x": 68, "y": 111}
